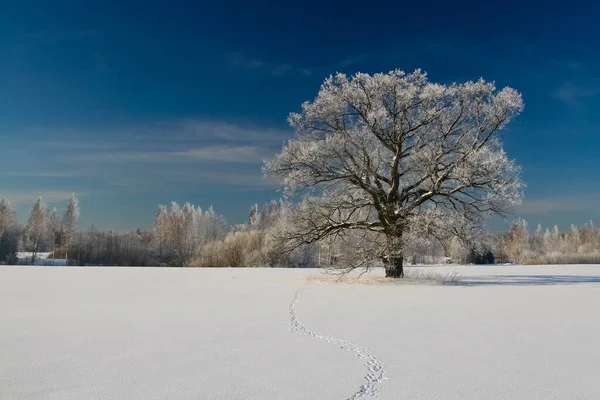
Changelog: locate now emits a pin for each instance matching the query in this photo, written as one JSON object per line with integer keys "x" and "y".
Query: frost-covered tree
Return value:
{"x": 254, "y": 244}
{"x": 8, "y": 215}
{"x": 10, "y": 232}
{"x": 537, "y": 241}
{"x": 70, "y": 223}
{"x": 54, "y": 230}
{"x": 180, "y": 231}
{"x": 394, "y": 154}
{"x": 36, "y": 227}
{"x": 517, "y": 245}
{"x": 573, "y": 239}
{"x": 214, "y": 226}
{"x": 253, "y": 218}
{"x": 160, "y": 233}
{"x": 575, "y": 246}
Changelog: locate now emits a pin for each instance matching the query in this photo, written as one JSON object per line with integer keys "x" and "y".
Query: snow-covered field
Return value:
{"x": 154, "y": 333}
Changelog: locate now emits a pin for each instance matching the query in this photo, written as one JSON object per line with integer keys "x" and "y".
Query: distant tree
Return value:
{"x": 214, "y": 226}
{"x": 9, "y": 244}
{"x": 536, "y": 242}
{"x": 8, "y": 215}
{"x": 253, "y": 218}
{"x": 482, "y": 256}
{"x": 573, "y": 240}
{"x": 517, "y": 245}
{"x": 253, "y": 245}
{"x": 575, "y": 246}
{"x": 455, "y": 249}
{"x": 498, "y": 248}
{"x": 180, "y": 231}
{"x": 394, "y": 154}
{"x": 9, "y": 232}
{"x": 185, "y": 233}
{"x": 36, "y": 227}
{"x": 160, "y": 232}
{"x": 54, "y": 230}
{"x": 70, "y": 223}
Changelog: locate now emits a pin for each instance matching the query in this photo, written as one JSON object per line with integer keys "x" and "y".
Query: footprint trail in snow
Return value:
{"x": 375, "y": 372}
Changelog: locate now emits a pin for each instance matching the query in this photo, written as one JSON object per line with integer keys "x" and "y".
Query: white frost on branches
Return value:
{"x": 394, "y": 155}
{"x": 8, "y": 215}
{"x": 180, "y": 231}
{"x": 70, "y": 222}
{"x": 36, "y": 227}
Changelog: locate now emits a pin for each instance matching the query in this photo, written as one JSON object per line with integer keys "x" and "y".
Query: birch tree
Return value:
{"x": 159, "y": 232}
{"x": 54, "y": 230}
{"x": 180, "y": 231}
{"x": 36, "y": 227}
{"x": 214, "y": 226}
{"x": 70, "y": 223}
{"x": 393, "y": 154}
{"x": 518, "y": 241}
{"x": 8, "y": 215}
{"x": 9, "y": 232}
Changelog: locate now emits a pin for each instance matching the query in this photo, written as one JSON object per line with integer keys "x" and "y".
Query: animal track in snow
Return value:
{"x": 375, "y": 373}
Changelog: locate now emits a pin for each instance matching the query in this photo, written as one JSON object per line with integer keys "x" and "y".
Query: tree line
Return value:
{"x": 187, "y": 236}
{"x": 382, "y": 169}
{"x": 46, "y": 230}
{"x": 577, "y": 245}
{"x": 182, "y": 236}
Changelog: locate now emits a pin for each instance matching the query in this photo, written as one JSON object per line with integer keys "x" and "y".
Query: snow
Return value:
{"x": 508, "y": 332}
{"x": 41, "y": 259}
{"x": 29, "y": 254}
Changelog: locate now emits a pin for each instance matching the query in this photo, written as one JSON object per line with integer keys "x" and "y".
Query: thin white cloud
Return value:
{"x": 191, "y": 128}
{"x": 214, "y": 154}
{"x": 573, "y": 95}
{"x": 150, "y": 155}
{"x": 238, "y": 59}
{"x": 537, "y": 207}
{"x": 240, "y": 179}
{"x": 228, "y": 154}
{"x": 42, "y": 174}
{"x": 124, "y": 182}
{"x": 282, "y": 69}
{"x": 49, "y": 196}
{"x": 120, "y": 157}
{"x": 353, "y": 60}
{"x": 559, "y": 204}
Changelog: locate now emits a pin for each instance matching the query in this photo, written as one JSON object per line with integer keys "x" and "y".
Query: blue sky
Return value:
{"x": 133, "y": 104}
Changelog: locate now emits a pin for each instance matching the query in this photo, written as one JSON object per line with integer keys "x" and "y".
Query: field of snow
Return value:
{"x": 154, "y": 333}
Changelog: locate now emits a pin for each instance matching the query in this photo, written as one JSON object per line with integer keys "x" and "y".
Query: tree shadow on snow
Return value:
{"x": 527, "y": 280}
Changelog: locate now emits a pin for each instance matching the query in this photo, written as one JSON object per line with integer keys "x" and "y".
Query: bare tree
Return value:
{"x": 575, "y": 246}
{"x": 392, "y": 155}
{"x": 160, "y": 232}
{"x": 54, "y": 230}
{"x": 10, "y": 232}
{"x": 517, "y": 245}
{"x": 180, "y": 231}
{"x": 70, "y": 223}
{"x": 252, "y": 245}
{"x": 8, "y": 215}
{"x": 36, "y": 227}
{"x": 214, "y": 226}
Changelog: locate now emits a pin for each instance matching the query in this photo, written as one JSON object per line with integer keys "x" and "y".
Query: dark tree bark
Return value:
{"x": 394, "y": 267}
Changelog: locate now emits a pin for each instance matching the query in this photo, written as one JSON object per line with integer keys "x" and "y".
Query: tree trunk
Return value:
{"x": 34, "y": 253}
{"x": 394, "y": 267}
